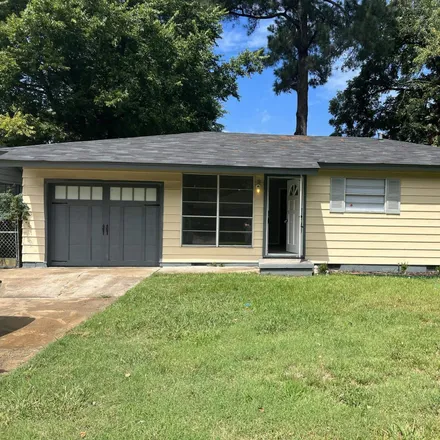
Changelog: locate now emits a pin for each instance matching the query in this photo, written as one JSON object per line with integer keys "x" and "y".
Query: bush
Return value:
{"x": 12, "y": 207}
{"x": 403, "y": 267}
{"x": 323, "y": 268}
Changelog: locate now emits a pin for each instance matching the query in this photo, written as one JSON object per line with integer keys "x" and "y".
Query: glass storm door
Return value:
{"x": 293, "y": 220}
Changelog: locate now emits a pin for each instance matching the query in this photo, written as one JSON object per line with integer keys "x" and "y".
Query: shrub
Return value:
{"x": 12, "y": 208}
{"x": 403, "y": 267}
{"x": 323, "y": 268}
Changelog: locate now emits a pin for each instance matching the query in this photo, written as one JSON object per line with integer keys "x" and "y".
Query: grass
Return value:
{"x": 240, "y": 357}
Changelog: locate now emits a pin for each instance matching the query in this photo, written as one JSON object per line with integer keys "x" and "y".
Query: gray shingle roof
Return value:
{"x": 228, "y": 150}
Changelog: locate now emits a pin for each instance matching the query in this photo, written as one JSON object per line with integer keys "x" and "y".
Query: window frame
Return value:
{"x": 218, "y": 217}
{"x": 338, "y": 196}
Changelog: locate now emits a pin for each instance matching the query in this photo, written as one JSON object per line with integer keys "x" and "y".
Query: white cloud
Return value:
{"x": 236, "y": 39}
{"x": 338, "y": 79}
{"x": 265, "y": 117}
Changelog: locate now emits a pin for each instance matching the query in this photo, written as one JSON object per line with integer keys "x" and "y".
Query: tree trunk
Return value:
{"x": 302, "y": 92}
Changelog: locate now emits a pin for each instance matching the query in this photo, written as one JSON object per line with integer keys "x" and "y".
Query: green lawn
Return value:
{"x": 241, "y": 357}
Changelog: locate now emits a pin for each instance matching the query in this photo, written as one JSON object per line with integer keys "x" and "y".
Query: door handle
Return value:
{"x": 286, "y": 221}
{"x": 106, "y": 228}
{"x": 103, "y": 229}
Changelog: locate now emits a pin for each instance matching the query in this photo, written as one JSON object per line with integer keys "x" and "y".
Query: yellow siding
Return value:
{"x": 34, "y": 231}
{"x": 413, "y": 236}
{"x": 342, "y": 238}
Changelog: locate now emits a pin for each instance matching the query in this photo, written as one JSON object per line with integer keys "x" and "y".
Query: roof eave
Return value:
{"x": 378, "y": 166}
{"x": 156, "y": 166}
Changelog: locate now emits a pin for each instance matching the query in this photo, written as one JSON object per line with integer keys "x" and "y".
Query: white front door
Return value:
{"x": 293, "y": 220}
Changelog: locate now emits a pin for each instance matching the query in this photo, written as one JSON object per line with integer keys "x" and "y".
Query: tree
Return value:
{"x": 397, "y": 90}
{"x": 8, "y": 7}
{"x": 93, "y": 69}
{"x": 305, "y": 39}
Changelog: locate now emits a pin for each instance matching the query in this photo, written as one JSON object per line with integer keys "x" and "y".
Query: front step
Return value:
{"x": 286, "y": 266}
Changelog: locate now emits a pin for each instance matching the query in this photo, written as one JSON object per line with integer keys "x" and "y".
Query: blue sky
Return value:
{"x": 259, "y": 109}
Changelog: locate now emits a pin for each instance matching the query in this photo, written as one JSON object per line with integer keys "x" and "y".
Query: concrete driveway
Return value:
{"x": 38, "y": 306}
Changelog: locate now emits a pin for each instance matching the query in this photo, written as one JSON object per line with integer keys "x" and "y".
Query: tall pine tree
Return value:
{"x": 305, "y": 39}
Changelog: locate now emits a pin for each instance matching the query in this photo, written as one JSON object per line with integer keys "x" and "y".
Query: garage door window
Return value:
{"x": 73, "y": 192}
{"x": 131, "y": 194}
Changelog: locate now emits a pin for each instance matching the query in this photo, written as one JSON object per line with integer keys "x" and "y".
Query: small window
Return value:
{"x": 151, "y": 195}
{"x": 72, "y": 192}
{"x": 97, "y": 193}
{"x": 60, "y": 192}
{"x": 139, "y": 194}
{"x": 127, "y": 194}
{"x": 217, "y": 210}
{"x": 85, "y": 193}
{"x": 115, "y": 193}
{"x": 365, "y": 195}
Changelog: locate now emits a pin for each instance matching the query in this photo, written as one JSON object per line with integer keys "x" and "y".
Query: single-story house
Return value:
{"x": 225, "y": 198}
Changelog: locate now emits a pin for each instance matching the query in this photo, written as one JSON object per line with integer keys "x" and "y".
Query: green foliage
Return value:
{"x": 13, "y": 208}
{"x": 181, "y": 357}
{"x": 323, "y": 269}
{"x": 397, "y": 89}
{"x": 16, "y": 129}
{"x": 82, "y": 69}
{"x": 403, "y": 267}
{"x": 8, "y": 7}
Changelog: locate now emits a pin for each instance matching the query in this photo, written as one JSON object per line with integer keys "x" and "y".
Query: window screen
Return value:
{"x": 236, "y": 197}
{"x": 199, "y": 209}
{"x": 217, "y": 210}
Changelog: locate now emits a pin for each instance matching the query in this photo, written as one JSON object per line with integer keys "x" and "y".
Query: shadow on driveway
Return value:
{"x": 9, "y": 324}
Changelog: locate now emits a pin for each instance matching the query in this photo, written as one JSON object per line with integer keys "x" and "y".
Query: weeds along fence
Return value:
{"x": 10, "y": 244}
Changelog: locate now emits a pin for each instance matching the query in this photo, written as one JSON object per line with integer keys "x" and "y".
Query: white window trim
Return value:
{"x": 217, "y": 217}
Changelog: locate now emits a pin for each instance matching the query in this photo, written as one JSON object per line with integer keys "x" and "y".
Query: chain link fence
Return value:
{"x": 10, "y": 246}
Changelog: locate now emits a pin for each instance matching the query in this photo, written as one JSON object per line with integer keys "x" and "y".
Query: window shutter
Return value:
{"x": 337, "y": 194}
{"x": 392, "y": 204}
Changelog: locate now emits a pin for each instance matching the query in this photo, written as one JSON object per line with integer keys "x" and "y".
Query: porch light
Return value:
{"x": 258, "y": 187}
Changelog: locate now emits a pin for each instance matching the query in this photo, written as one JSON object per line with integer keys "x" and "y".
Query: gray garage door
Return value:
{"x": 95, "y": 224}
